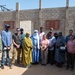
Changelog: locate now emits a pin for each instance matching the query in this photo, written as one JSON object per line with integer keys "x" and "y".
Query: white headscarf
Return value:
{"x": 35, "y": 35}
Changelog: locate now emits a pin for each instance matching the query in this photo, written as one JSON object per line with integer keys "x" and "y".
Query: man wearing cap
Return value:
{"x": 6, "y": 43}
{"x": 35, "y": 50}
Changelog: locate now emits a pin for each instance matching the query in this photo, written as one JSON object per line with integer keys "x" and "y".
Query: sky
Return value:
{"x": 34, "y": 4}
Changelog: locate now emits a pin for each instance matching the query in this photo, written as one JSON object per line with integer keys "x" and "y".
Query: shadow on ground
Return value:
{"x": 47, "y": 70}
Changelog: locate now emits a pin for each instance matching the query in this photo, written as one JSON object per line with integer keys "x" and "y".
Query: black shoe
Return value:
{"x": 42, "y": 64}
{"x": 10, "y": 66}
{"x": 67, "y": 68}
{"x": 2, "y": 67}
{"x": 37, "y": 62}
{"x": 45, "y": 64}
{"x": 72, "y": 69}
{"x": 51, "y": 63}
{"x": 33, "y": 63}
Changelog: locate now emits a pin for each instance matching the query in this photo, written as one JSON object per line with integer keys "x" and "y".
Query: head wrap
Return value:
{"x": 35, "y": 35}
{"x": 35, "y": 31}
{"x": 27, "y": 33}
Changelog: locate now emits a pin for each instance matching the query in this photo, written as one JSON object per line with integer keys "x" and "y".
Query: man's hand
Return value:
{"x": 5, "y": 48}
{"x": 9, "y": 48}
{"x": 18, "y": 46}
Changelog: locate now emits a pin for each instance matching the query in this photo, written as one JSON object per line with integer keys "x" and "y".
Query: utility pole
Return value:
{"x": 40, "y": 14}
{"x": 17, "y": 23}
{"x": 40, "y": 4}
{"x": 66, "y": 18}
{"x": 67, "y": 3}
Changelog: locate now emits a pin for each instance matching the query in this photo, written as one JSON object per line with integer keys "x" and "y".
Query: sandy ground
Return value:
{"x": 35, "y": 70}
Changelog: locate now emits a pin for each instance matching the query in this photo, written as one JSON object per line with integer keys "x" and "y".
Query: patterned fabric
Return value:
{"x": 59, "y": 56}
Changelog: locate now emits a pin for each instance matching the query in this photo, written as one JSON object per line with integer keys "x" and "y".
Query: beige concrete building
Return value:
{"x": 60, "y": 19}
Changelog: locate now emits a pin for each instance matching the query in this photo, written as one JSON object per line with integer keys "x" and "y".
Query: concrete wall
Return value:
{"x": 70, "y": 18}
{"x": 54, "y": 14}
{"x": 6, "y": 16}
{"x": 47, "y": 14}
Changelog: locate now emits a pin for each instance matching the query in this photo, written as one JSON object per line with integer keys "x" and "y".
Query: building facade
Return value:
{"x": 60, "y": 19}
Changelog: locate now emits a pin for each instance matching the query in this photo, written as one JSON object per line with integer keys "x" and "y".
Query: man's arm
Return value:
{"x": 3, "y": 37}
{"x": 15, "y": 44}
{"x": 10, "y": 39}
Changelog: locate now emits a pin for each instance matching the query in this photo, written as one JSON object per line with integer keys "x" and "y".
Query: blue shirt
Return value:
{"x": 6, "y": 38}
{"x": 52, "y": 41}
{"x": 68, "y": 38}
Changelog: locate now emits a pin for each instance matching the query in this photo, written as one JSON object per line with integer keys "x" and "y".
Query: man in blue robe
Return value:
{"x": 6, "y": 45}
{"x": 36, "y": 48}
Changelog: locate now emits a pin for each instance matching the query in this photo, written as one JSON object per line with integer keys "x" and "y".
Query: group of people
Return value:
{"x": 61, "y": 49}
{"x": 52, "y": 48}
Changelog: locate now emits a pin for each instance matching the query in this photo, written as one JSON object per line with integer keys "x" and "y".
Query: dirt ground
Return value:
{"x": 36, "y": 70}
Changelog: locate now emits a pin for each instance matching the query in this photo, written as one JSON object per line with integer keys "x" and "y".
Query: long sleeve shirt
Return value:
{"x": 6, "y": 38}
{"x": 71, "y": 46}
{"x": 52, "y": 41}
